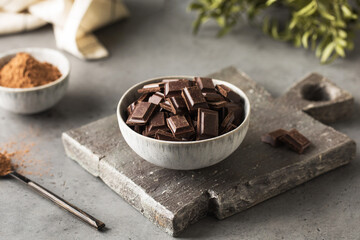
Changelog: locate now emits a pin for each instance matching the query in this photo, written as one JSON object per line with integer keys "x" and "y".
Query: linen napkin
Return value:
{"x": 73, "y": 21}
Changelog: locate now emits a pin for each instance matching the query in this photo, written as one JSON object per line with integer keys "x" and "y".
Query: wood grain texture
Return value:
{"x": 255, "y": 172}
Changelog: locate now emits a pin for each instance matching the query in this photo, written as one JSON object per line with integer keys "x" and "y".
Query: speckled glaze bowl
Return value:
{"x": 181, "y": 155}
{"x": 36, "y": 99}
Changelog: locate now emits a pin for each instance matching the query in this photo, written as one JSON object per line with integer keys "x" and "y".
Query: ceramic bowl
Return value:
{"x": 181, "y": 155}
{"x": 36, "y": 99}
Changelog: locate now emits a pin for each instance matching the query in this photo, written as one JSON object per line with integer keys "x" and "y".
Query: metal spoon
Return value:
{"x": 58, "y": 200}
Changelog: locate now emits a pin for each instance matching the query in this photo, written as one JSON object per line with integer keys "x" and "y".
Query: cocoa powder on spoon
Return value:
{"x": 5, "y": 165}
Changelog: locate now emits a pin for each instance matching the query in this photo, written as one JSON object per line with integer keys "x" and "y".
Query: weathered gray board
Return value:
{"x": 255, "y": 172}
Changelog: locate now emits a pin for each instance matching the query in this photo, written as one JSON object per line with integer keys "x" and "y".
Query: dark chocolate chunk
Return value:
{"x": 229, "y": 128}
{"x": 143, "y": 97}
{"x": 238, "y": 110}
{"x": 173, "y": 88}
{"x": 152, "y": 87}
{"x": 193, "y": 98}
{"x": 295, "y": 141}
{"x": 229, "y": 119}
{"x": 185, "y": 110}
{"x": 177, "y": 104}
{"x": 138, "y": 128}
{"x": 207, "y": 124}
{"x": 179, "y": 126}
{"x": 171, "y": 80}
{"x": 155, "y": 123}
{"x": 217, "y": 105}
{"x": 131, "y": 108}
{"x": 166, "y": 105}
{"x": 213, "y": 97}
{"x": 228, "y": 93}
{"x": 156, "y": 98}
{"x": 205, "y": 84}
{"x": 222, "y": 114}
{"x": 164, "y": 135}
{"x": 141, "y": 113}
{"x": 273, "y": 138}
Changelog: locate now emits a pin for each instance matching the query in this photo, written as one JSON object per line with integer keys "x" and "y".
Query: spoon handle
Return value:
{"x": 59, "y": 201}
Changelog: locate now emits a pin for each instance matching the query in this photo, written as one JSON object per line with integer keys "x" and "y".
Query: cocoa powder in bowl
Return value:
{"x": 24, "y": 71}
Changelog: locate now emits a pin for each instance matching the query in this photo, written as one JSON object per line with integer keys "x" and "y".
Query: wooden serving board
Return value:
{"x": 255, "y": 172}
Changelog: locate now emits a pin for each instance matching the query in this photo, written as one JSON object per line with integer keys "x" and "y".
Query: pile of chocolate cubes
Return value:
{"x": 185, "y": 110}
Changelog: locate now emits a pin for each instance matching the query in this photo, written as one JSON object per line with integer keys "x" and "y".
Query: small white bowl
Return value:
{"x": 36, "y": 99}
{"x": 181, "y": 155}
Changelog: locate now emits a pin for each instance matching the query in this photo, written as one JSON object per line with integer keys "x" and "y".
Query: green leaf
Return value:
{"x": 195, "y": 6}
{"x": 297, "y": 40}
{"x": 346, "y": 11}
{"x": 328, "y": 50}
{"x": 305, "y": 10}
{"x": 340, "y": 50}
{"x": 313, "y": 41}
{"x": 341, "y": 42}
{"x": 269, "y": 2}
{"x": 323, "y": 12}
{"x": 221, "y": 21}
{"x": 266, "y": 25}
{"x": 320, "y": 47}
{"x": 342, "y": 33}
{"x": 293, "y": 23}
{"x": 274, "y": 30}
{"x": 305, "y": 40}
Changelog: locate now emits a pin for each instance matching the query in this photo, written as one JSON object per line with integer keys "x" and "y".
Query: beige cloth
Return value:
{"x": 73, "y": 21}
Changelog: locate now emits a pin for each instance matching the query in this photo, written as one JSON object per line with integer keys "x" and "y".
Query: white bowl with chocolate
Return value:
{"x": 32, "y": 79}
{"x": 184, "y": 124}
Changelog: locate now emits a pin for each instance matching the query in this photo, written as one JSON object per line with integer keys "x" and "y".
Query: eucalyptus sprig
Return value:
{"x": 325, "y": 26}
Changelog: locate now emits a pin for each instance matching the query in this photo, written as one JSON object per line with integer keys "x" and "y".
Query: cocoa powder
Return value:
{"x": 5, "y": 164}
{"x": 23, "y": 150}
{"x": 24, "y": 71}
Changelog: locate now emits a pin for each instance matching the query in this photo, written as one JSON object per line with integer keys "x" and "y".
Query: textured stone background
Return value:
{"x": 157, "y": 41}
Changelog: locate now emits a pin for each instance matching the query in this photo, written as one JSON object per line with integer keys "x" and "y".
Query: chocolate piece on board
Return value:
{"x": 205, "y": 84}
{"x": 179, "y": 126}
{"x": 295, "y": 141}
{"x": 273, "y": 138}
{"x": 174, "y": 88}
{"x": 207, "y": 124}
{"x": 156, "y": 98}
{"x": 193, "y": 99}
{"x": 141, "y": 113}
{"x": 228, "y": 93}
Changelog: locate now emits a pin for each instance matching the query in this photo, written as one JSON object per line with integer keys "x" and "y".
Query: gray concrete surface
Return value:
{"x": 157, "y": 41}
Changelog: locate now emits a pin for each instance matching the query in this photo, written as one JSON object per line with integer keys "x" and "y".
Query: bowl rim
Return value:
{"x": 36, "y": 49}
{"x": 246, "y": 119}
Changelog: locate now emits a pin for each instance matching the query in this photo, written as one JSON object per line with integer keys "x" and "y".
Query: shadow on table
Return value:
{"x": 316, "y": 198}
{"x": 75, "y": 108}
